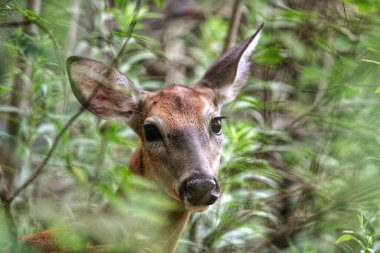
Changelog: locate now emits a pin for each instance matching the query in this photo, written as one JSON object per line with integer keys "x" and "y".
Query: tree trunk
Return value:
{"x": 181, "y": 17}
{"x": 73, "y": 27}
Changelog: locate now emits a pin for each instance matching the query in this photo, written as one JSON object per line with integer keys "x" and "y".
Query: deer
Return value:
{"x": 179, "y": 127}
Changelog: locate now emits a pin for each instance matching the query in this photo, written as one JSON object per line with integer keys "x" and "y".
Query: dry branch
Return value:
{"x": 233, "y": 25}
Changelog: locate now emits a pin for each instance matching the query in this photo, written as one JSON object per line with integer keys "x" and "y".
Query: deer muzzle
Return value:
{"x": 200, "y": 190}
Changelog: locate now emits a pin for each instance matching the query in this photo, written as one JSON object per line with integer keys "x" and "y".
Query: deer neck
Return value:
{"x": 177, "y": 218}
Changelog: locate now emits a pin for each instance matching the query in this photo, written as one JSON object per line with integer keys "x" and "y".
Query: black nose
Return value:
{"x": 200, "y": 191}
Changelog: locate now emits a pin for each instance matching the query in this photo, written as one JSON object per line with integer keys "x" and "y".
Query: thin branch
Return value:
{"x": 233, "y": 25}
{"x": 102, "y": 152}
{"x": 345, "y": 15}
{"x": 5, "y": 2}
{"x": 16, "y": 23}
{"x": 327, "y": 61}
{"x": 129, "y": 33}
{"x": 43, "y": 164}
{"x": 293, "y": 228}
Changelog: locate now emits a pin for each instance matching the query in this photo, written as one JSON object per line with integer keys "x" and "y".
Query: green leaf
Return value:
{"x": 349, "y": 235}
{"x": 35, "y": 15}
{"x": 346, "y": 238}
{"x": 377, "y": 90}
{"x": 269, "y": 56}
{"x": 120, "y": 3}
{"x": 79, "y": 174}
{"x": 370, "y": 240}
{"x": 361, "y": 220}
{"x": 31, "y": 15}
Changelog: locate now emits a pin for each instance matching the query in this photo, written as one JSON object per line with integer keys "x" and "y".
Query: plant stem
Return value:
{"x": 43, "y": 164}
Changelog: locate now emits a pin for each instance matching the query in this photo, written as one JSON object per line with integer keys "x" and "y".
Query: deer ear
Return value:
{"x": 228, "y": 74}
{"x": 101, "y": 89}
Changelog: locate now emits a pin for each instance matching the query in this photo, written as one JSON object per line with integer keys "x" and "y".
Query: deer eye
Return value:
{"x": 216, "y": 125}
{"x": 151, "y": 132}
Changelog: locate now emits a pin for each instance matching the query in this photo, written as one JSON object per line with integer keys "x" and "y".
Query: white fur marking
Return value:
{"x": 230, "y": 91}
{"x": 244, "y": 62}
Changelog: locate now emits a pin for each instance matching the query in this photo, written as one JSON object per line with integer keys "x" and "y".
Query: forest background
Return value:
{"x": 300, "y": 164}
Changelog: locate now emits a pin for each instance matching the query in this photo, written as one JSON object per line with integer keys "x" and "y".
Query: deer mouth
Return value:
{"x": 194, "y": 209}
{"x": 187, "y": 205}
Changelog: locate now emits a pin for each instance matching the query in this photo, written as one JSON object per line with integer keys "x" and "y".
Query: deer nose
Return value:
{"x": 200, "y": 191}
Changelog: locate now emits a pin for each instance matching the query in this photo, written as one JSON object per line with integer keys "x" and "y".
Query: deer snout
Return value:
{"x": 200, "y": 191}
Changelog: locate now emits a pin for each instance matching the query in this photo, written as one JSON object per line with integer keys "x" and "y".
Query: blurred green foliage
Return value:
{"x": 301, "y": 153}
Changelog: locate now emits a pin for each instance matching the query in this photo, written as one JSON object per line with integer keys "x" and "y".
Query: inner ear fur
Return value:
{"x": 228, "y": 74}
{"x": 102, "y": 89}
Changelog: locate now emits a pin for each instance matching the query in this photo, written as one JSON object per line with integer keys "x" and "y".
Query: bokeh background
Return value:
{"x": 301, "y": 160}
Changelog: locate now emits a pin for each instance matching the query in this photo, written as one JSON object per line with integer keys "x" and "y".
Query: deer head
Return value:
{"x": 180, "y": 127}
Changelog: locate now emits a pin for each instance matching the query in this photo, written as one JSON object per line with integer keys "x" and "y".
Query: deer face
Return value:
{"x": 179, "y": 127}
{"x": 182, "y": 137}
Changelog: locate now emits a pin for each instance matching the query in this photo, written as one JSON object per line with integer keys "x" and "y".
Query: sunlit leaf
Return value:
{"x": 348, "y": 237}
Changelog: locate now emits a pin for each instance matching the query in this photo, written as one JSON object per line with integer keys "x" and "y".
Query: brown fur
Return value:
{"x": 43, "y": 241}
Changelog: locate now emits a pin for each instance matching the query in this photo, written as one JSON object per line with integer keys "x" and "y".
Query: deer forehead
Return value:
{"x": 178, "y": 106}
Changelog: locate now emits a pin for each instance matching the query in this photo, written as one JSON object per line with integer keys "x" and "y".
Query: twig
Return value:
{"x": 38, "y": 171}
{"x": 43, "y": 164}
{"x": 327, "y": 61}
{"x": 293, "y": 228}
{"x": 345, "y": 15}
{"x": 114, "y": 64}
{"x": 103, "y": 148}
{"x": 6, "y": 201}
{"x": 371, "y": 61}
{"x": 5, "y": 2}
{"x": 15, "y": 23}
{"x": 233, "y": 25}
{"x": 128, "y": 34}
